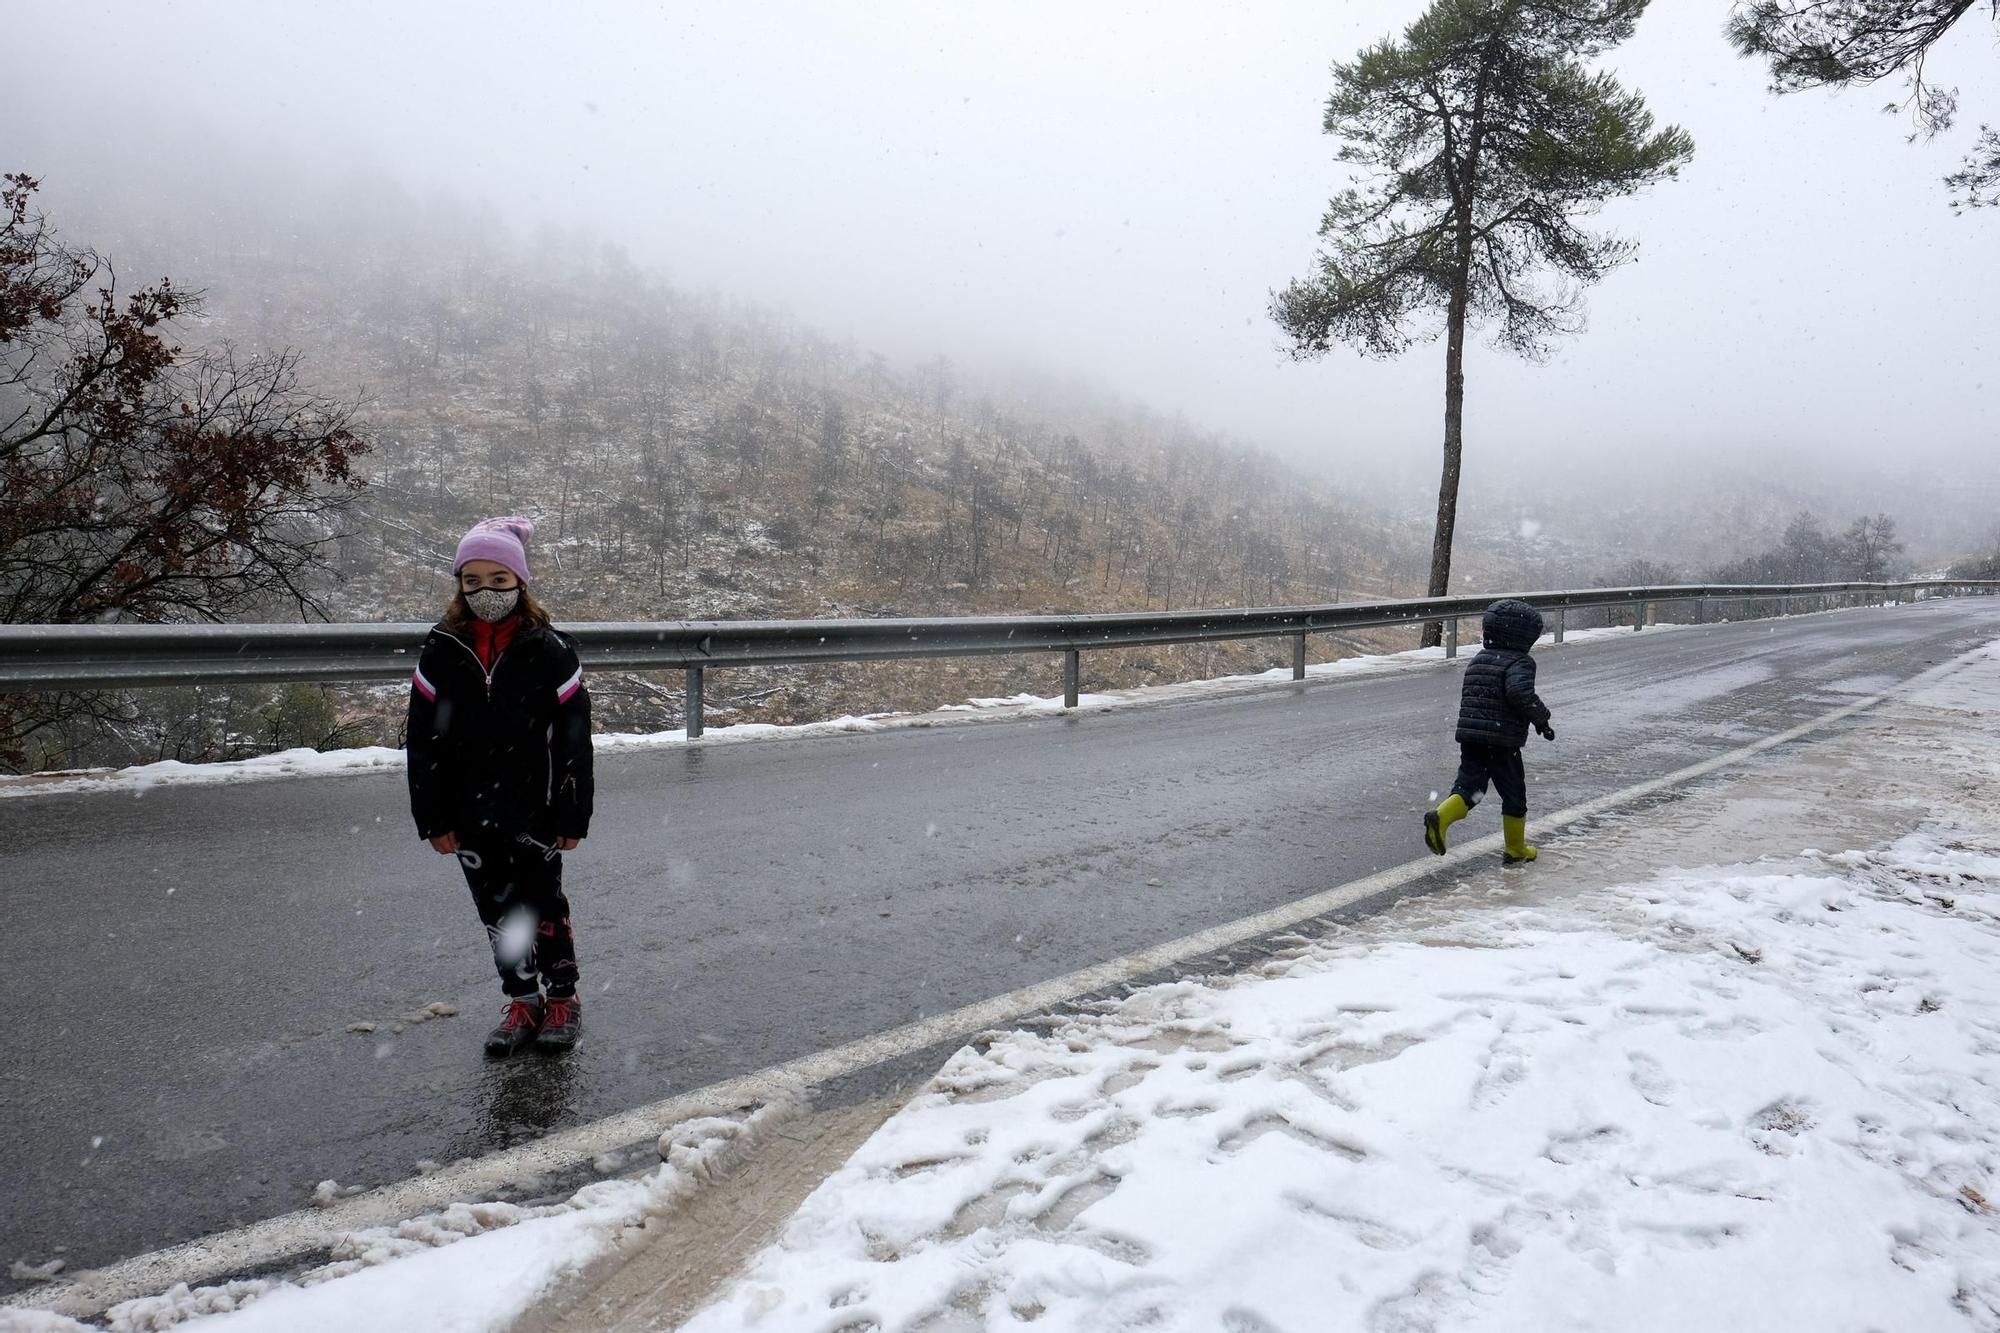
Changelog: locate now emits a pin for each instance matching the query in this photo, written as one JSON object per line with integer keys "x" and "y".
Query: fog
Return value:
{"x": 1108, "y": 190}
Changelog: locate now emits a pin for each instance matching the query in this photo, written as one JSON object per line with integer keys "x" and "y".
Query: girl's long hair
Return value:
{"x": 458, "y": 617}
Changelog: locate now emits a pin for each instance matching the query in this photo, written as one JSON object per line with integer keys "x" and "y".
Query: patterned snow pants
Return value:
{"x": 517, "y": 886}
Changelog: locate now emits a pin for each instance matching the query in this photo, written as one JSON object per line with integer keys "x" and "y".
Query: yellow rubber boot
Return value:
{"x": 1439, "y": 821}
{"x": 1515, "y": 830}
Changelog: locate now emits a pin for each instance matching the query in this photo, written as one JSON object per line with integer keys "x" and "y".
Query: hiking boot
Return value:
{"x": 518, "y": 1026}
{"x": 561, "y": 1023}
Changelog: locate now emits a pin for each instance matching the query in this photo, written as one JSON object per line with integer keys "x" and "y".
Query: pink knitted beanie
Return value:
{"x": 504, "y": 541}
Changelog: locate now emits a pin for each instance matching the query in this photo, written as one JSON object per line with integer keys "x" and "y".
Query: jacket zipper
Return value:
{"x": 490, "y": 670}
{"x": 484, "y": 670}
{"x": 548, "y": 741}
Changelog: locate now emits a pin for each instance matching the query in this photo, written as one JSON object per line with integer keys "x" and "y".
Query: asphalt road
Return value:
{"x": 183, "y": 965}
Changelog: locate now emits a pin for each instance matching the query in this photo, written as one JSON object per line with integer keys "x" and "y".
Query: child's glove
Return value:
{"x": 1547, "y": 730}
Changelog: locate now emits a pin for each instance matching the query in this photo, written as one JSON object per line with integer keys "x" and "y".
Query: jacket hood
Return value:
{"x": 1511, "y": 624}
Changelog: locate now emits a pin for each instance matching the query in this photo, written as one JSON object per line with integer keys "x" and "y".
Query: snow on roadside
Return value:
{"x": 470, "y": 1268}
{"x": 298, "y": 763}
{"x": 305, "y": 763}
{"x": 1751, "y": 1097}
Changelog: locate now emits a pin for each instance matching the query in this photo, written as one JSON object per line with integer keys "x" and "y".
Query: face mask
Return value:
{"x": 491, "y": 604}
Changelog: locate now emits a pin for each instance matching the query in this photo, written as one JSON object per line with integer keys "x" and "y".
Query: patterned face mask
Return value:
{"x": 491, "y": 604}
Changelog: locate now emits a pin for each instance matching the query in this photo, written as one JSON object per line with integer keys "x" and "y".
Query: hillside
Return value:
{"x": 689, "y": 458}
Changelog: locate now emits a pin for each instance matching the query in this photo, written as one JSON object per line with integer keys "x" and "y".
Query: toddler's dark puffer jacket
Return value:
{"x": 1497, "y": 703}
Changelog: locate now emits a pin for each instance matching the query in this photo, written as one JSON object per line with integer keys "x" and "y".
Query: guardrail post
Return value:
{"x": 694, "y": 702}
{"x": 1298, "y": 657}
{"x": 1638, "y": 616}
{"x": 1070, "y": 671}
{"x": 1562, "y": 622}
{"x": 1451, "y": 637}
{"x": 1701, "y": 610}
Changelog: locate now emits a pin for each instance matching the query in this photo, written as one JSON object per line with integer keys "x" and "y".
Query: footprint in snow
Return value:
{"x": 1651, "y": 1080}
{"x": 1776, "y": 1129}
{"x": 1584, "y": 1146}
{"x": 1258, "y": 1126}
{"x": 1504, "y": 1068}
{"x": 1368, "y": 1231}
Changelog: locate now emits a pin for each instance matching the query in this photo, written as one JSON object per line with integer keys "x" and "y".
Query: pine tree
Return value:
{"x": 1844, "y": 43}
{"x": 1478, "y": 141}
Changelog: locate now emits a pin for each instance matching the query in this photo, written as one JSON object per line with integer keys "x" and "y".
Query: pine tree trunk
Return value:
{"x": 1454, "y": 442}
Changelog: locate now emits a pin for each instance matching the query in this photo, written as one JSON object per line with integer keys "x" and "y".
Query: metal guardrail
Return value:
{"x": 40, "y": 657}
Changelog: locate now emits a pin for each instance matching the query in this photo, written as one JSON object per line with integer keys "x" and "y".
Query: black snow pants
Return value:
{"x": 517, "y": 886}
{"x": 1498, "y": 764}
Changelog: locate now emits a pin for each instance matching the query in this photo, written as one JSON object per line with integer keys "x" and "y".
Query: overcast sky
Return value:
{"x": 1115, "y": 189}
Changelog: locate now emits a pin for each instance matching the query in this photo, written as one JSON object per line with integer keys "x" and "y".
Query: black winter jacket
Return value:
{"x": 1497, "y": 702}
{"x": 505, "y": 751}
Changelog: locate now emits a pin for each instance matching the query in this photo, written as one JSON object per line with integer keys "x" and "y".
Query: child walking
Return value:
{"x": 1496, "y": 706}
{"x": 500, "y": 774}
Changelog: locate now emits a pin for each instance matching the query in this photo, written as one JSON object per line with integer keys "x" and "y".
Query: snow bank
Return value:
{"x": 303, "y": 763}
{"x": 472, "y": 1268}
{"x": 1755, "y": 1097}
{"x": 300, "y": 763}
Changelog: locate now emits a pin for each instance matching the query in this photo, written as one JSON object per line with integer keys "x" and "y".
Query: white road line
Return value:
{"x": 275, "y": 1240}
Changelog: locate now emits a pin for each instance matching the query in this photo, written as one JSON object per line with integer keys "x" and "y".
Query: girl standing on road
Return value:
{"x": 500, "y": 774}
